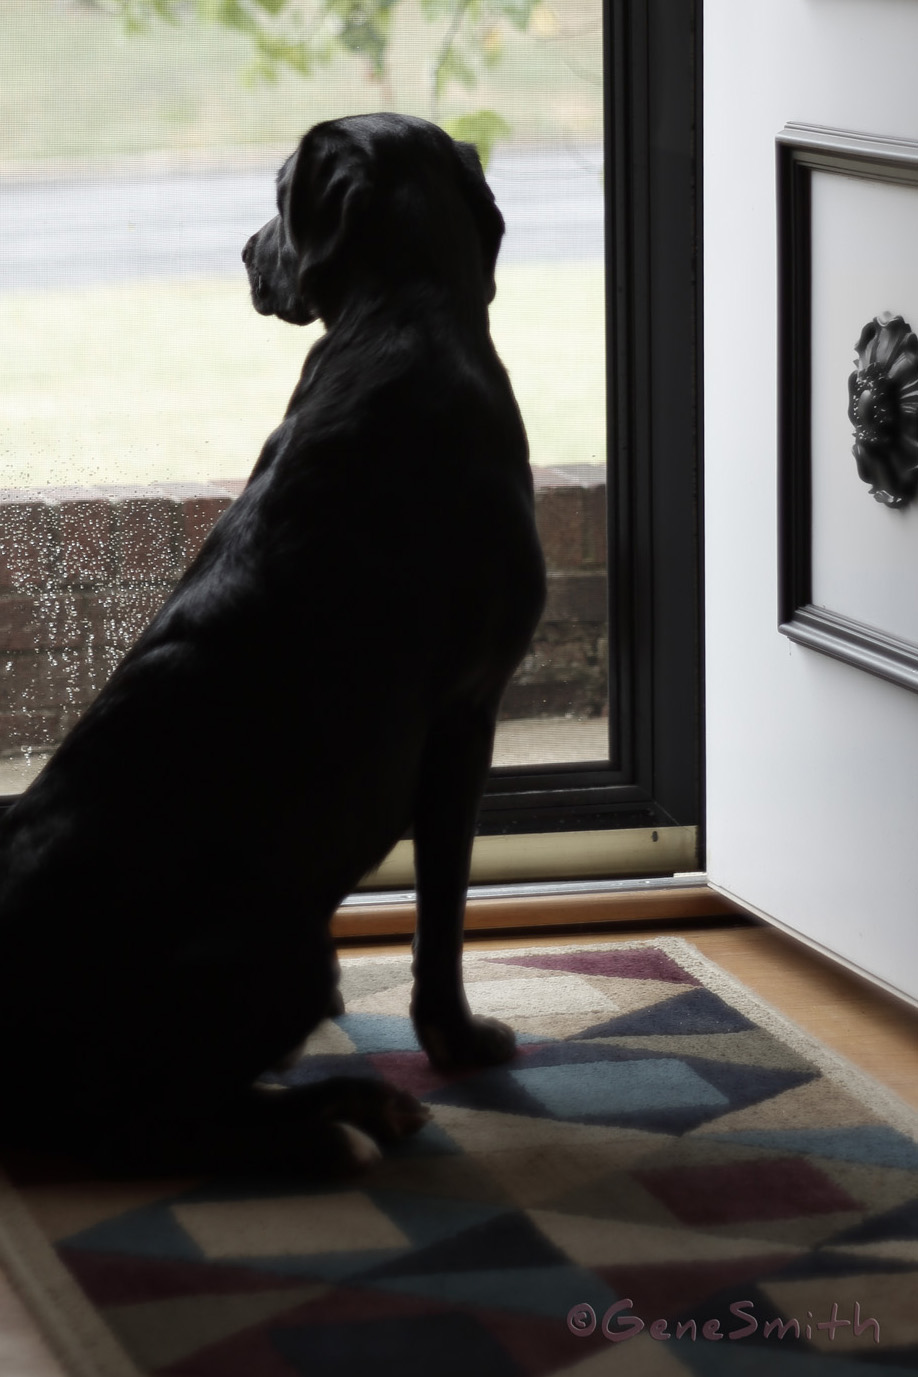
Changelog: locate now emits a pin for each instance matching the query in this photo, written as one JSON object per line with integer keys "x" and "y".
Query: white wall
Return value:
{"x": 812, "y": 765}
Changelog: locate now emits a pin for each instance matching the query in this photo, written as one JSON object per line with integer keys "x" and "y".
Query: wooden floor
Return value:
{"x": 870, "y": 1028}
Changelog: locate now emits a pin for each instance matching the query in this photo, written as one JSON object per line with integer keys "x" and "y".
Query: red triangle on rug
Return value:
{"x": 645, "y": 964}
{"x": 660, "y": 1290}
{"x": 121, "y": 1279}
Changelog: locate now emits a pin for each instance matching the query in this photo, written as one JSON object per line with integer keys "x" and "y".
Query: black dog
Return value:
{"x": 325, "y": 676}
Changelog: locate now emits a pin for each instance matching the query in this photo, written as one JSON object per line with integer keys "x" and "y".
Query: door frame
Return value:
{"x": 653, "y": 777}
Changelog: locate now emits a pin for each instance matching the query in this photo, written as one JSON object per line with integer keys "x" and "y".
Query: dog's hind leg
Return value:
{"x": 454, "y": 769}
{"x": 327, "y": 1130}
{"x": 332, "y": 1128}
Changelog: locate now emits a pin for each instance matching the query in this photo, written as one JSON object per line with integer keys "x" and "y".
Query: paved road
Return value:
{"x": 80, "y": 232}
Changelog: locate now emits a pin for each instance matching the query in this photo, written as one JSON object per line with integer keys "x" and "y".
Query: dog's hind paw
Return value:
{"x": 402, "y": 1115}
{"x": 358, "y": 1150}
{"x": 376, "y": 1107}
{"x": 332, "y": 1128}
{"x": 365, "y": 1114}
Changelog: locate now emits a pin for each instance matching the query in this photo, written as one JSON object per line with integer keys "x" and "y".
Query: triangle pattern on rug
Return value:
{"x": 647, "y": 963}
{"x": 816, "y": 1102}
{"x": 114, "y": 1279}
{"x": 877, "y": 1144}
{"x": 735, "y": 1192}
{"x": 509, "y": 1240}
{"x": 893, "y": 1225}
{"x": 618, "y": 1086}
{"x": 653, "y": 1142}
{"x": 161, "y": 1334}
{"x": 688, "y": 1014}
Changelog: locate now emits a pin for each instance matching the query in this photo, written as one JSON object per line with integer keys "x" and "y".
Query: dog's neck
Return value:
{"x": 371, "y": 309}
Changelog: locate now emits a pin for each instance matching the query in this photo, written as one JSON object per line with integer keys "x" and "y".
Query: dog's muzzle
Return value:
{"x": 259, "y": 287}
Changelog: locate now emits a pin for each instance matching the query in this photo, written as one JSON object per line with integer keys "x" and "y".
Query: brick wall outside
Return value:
{"x": 565, "y": 672}
{"x": 83, "y": 570}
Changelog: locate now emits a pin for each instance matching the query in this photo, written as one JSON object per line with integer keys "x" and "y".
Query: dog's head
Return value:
{"x": 367, "y": 204}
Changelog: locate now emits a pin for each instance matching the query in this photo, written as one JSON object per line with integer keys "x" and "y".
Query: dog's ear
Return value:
{"x": 480, "y": 198}
{"x": 327, "y": 184}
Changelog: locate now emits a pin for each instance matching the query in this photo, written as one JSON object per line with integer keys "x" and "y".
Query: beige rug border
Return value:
{"x": 81, "y": 1342}
{"x": 844, "y": 1073}
{"x": 84, "y": 1345}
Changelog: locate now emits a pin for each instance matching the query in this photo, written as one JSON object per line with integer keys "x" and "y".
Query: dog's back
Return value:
{"x": 166, "y": 883}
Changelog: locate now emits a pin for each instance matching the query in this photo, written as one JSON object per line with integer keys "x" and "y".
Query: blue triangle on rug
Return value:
{"x": 608, "y": 1085}
{"x": 696, "y": 1011}
{"x": 872, "y": 1144}
{"x": 509, "y": 1240}
{"x": 148, "y": 1232}
{"x": 528, "y": 1290}
{"x": 901, "y": 1222}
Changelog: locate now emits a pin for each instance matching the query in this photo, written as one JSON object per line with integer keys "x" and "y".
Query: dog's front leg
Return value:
{"x": 454, "y": 769}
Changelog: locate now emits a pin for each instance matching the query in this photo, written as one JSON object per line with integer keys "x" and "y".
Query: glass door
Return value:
{"x": 137, "y": 154}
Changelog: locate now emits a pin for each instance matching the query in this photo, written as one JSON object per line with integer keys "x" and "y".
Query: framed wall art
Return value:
{"x": 848, "y": 397}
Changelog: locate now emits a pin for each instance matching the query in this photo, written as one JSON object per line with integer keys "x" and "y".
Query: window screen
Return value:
{"x": 137, "y": 154}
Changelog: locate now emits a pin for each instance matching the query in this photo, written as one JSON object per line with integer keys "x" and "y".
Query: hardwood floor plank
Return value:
{"x": 371, "y": 921}
{"x": 861, "y": 1022}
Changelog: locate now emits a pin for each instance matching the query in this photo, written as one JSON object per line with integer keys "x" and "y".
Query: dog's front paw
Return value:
{"x": 461, "y": 1044}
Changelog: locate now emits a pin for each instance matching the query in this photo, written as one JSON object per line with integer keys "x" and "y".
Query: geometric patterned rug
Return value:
{"x": 669, "y": 1179}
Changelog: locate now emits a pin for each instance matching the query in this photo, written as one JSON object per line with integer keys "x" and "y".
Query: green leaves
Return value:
{"x": 137, "y": 14}
{"x": 483, "y": 129}
{"x": 235, "y": 15}
{"x": 518, "y": 12}
{"x": 364, "y": 29}
{"x": 452, "y": 66}
{"x": 301, "y": 35}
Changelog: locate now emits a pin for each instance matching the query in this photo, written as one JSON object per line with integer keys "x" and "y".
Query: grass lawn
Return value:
{"x": 183, "y": 381}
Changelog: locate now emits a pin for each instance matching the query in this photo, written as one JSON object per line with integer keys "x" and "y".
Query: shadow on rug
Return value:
{"x": 668, "y": 1179}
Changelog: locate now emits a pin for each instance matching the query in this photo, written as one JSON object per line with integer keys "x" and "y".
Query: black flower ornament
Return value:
{"x": 883, "y": 409}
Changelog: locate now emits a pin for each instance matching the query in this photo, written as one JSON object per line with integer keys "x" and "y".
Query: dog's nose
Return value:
{"x": 248, "y": 250}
